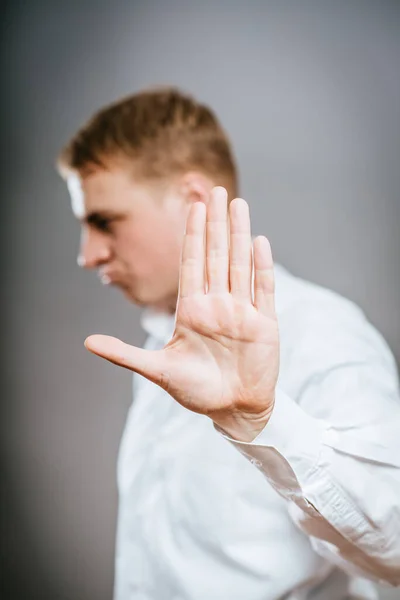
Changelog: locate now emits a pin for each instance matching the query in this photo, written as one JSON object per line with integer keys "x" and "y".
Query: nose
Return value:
{"x": 94, "y": 250}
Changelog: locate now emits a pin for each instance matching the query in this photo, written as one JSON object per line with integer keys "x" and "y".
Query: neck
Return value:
{"x": 168, "y": 305}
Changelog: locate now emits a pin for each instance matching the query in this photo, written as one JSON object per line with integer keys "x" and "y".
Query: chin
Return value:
{"x": 140, "y": 298}
{"x": 133, "y": 297}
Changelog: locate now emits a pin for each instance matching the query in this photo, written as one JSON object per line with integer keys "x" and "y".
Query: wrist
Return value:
{"x": 244, "y": 427}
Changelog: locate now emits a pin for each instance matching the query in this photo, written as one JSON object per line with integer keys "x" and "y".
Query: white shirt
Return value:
{"x": 312, "y": 514}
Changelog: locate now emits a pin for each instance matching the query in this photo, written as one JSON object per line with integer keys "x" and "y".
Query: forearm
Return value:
{"x": 349, "y": 503}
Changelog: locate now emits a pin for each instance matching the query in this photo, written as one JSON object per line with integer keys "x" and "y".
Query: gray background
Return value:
{"x": 310, "y": 95}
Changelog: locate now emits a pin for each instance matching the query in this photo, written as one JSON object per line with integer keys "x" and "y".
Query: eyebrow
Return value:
{"x": 98, "y": 215}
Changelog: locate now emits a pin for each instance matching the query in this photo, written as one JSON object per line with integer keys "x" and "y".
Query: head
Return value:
{"x": 133, "y": 172}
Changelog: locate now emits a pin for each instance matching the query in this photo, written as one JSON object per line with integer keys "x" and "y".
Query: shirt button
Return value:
{"x": 256, "y": 462}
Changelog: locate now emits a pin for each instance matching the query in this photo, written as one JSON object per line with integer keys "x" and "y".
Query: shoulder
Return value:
{"x": 324, "y": 329}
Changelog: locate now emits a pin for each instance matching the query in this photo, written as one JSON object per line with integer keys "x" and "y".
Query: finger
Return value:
{"x": 240, "y": 263}
{"x": 217, "y": 255}
{"x": 148, "y": 363}
{"x": 264, "y": 281}
{"x": 191, "y": 279}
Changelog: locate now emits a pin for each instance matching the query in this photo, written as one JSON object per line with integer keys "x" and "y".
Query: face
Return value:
{"x": 132, "y": 234}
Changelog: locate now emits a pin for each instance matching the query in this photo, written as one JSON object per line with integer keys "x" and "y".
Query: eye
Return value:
{"x": 103, "y": 224}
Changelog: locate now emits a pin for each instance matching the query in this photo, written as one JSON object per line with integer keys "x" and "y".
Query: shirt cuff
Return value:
{"x": 289, "y": 446}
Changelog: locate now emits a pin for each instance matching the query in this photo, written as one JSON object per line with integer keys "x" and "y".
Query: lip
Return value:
{"x": 107, "y": 277}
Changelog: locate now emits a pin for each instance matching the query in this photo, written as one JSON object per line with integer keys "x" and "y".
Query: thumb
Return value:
{"x": 149, "y": 363}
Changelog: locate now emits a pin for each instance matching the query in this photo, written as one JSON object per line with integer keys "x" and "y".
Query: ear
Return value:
{"x": 195, "y": 187}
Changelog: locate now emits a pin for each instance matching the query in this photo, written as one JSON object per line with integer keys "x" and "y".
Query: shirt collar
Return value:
{"x": 159, "y": 325}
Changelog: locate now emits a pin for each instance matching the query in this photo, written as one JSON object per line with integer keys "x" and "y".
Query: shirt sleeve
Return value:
{"x": 333, "y": 452}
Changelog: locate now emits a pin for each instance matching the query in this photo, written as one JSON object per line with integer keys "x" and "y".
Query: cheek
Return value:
{"x": 149, "y": 249}
{"x": 136, "y": 250}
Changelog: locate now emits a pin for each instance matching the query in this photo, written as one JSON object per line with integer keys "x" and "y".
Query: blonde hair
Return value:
{"x": 161, "y": 132}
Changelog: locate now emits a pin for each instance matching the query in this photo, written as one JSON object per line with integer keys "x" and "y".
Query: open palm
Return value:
{"x": 223, "y": 358}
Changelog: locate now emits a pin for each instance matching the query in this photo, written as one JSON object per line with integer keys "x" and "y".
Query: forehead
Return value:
{"x": 103, "y": 190}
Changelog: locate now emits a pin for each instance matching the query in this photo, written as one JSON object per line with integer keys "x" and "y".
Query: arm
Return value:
{"x": 334, "y": 453}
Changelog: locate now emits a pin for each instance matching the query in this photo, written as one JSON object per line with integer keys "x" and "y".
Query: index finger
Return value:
{"x": 191, "y": 277}
{"x": 264, "y": 281}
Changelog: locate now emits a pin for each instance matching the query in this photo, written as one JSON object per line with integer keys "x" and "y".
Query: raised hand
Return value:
{"x": 223, "y": 358}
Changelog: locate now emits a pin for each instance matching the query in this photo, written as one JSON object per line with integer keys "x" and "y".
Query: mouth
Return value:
{"x": 108, "y": 277}
{"x": 105, "y": 279}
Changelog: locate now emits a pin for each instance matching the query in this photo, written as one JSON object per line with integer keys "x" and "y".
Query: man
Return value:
{"x": 314, "y": 405}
